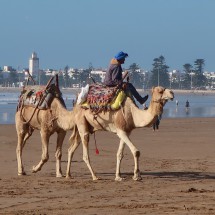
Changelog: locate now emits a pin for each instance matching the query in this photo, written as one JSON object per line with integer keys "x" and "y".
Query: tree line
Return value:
{"x": 192, "y": 76}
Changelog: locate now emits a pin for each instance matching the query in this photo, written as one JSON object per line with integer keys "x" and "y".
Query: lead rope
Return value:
{"x": 97, "y": 151}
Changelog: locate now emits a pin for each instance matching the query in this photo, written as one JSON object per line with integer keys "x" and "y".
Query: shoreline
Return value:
{"x": 77, "y": 90}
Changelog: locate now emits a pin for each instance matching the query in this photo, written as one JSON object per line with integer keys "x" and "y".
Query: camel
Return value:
{"x": 121, "y": 122}
{"x": 54, "y": 119}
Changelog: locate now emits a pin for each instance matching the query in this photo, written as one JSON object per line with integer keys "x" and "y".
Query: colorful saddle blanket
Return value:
{"x": 103, "y": 98}
{"x": 39, "y": 96}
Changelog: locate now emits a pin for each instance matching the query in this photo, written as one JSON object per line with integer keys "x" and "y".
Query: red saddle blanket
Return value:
{"x": 100, "y": 96}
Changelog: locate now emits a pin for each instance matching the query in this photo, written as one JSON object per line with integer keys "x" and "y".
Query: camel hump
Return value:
{"x": 39, "y": 96}
{"x": 103, "y": 98}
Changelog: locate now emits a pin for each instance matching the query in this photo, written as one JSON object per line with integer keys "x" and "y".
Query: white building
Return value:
{"x": 101, "y": 73}
{"x": 7, "y": 68}
{"x": 34, "y": 65}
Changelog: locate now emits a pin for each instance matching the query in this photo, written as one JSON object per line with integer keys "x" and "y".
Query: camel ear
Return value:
{"x": 161, "y": 89}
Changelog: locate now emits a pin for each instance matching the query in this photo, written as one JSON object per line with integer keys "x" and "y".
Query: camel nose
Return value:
{"x": 171, "y": 92}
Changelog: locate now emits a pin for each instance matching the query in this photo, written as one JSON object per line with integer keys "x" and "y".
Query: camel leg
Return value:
{"x": 45, "y": 156}
{"x": 20, "y": 145}
{"x": 75, "y": 142}
{"x": 58, "y": 154}
{"x": 23, "y": 136}
{"x": 85, "y": 142}
{"x": 136, "y": 153}
{"x": 119, "y": 157}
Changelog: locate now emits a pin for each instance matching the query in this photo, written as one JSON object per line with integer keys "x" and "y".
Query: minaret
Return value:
{"x": 34, "y": 66}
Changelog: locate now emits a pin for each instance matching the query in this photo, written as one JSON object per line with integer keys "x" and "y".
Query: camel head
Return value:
{"x": 161, "y": 94}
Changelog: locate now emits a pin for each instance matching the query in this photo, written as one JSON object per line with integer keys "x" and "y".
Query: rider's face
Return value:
{"x": 121, "y": 61}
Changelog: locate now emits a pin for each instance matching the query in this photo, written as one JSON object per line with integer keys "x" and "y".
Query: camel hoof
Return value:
{"x": 137, "y": 178}
{"x": 120, "y": 179}
{"x": 96, "y": 178}
{"x": 68, "y": 177}
{"x": 59, "y": 176}
{"x": 22, "y": 173}
{"x": 34, "y": 169}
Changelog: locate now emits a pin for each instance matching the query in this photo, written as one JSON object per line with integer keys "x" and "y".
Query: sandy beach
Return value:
{"x": 177, "y": 165}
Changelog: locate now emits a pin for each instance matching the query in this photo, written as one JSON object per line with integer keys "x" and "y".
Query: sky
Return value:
{"x": 78, "y": 33}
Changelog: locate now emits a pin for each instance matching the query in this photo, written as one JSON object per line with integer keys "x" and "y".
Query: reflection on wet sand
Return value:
{"x": 5, "y": 117}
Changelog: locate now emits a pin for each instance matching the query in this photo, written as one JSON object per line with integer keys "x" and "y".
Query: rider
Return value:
{"x": 114, "y": 77}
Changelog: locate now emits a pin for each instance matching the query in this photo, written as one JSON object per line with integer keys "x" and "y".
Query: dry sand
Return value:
{"x": 177, "y": 164}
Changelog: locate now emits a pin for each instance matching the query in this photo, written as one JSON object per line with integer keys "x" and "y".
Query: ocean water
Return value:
{"x": 201, "y": 105}
{"x": 9, "y": 100}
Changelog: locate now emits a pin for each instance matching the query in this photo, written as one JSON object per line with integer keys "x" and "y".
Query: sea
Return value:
{"x": 201, "y": 105}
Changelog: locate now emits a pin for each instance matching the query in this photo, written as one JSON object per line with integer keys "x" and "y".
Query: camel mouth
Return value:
{"x": 172, "y": 95}
{"x": 167, "y": 98}
{"x": 168, "y": 95}
{"x": 171, "y": 98}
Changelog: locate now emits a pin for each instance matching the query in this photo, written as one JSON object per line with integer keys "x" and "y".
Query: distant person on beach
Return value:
{"x": 187, "y": 105}
{"x": 176, "y": 102}
{"x": 114, "y": 77}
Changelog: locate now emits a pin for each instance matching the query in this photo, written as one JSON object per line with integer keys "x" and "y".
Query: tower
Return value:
{"x": 34, "y": 66}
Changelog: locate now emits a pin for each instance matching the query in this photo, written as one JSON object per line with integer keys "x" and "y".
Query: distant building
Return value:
{"x": 7, "y": 68}
{"x": 34, "y": 66}
{"x": 101, "y": 73}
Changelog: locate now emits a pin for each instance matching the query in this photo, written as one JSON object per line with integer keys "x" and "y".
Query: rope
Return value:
{"x": 97, "y": 151}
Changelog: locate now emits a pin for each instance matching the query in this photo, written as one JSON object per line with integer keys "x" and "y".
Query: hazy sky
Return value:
{"x": 79, "y": 32}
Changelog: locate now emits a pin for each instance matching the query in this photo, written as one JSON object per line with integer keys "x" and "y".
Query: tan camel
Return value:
{"x": 55, "y": 119}
{"x": 120, "y": 122}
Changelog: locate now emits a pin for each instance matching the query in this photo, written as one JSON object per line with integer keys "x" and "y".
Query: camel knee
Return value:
{"x": 119, "y": 156}
{"x": 45, "y": 158}
{"x": 18, "y": 150}
{"x": 86, "y": 138}
{"x": 58, "y": 154}
{"x": 86, "y": 159}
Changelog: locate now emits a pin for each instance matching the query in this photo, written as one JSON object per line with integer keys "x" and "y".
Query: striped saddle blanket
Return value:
{"x": 99, "y": 97}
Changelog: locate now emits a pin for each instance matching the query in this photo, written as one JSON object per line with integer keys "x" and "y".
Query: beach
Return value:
{"x": 177, "y": 165}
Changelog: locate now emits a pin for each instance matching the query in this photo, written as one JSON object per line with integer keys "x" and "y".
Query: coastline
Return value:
{"x": 19, "y": 89}
{"x": 77, "y": 90}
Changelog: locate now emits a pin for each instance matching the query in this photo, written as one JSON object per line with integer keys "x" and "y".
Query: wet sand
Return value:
{"x": 177, "y": 166}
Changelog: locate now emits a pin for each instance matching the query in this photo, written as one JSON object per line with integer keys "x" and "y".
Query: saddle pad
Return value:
{"x": 103, "y": 98}
{"x": 39, "y": 96}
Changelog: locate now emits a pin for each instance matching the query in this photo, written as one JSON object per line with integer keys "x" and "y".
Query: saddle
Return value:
{"x": 39, "y": 97}
{"x": 103, "y": 98}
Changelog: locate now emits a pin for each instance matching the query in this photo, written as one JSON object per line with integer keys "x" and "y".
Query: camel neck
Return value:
{"x": 64, "y": 117}
{"x": 145, "y": 118}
